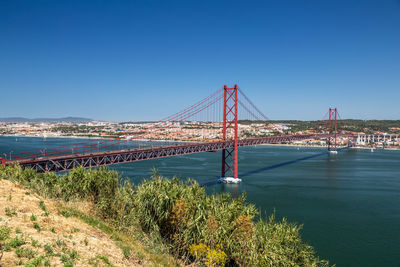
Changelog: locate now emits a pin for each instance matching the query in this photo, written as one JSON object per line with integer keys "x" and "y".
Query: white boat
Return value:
{"x": 333, "y": 152}
{"x": 229, "y": 180}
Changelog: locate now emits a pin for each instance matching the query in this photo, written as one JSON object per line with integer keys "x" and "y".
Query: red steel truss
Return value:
{"x": 230, "y": 123}
{"x": 68, "y": 162}
{"x": 229, "y": 145}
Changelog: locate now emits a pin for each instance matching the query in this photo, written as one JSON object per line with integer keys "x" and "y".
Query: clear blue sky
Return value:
{"x": 137, "y": 60}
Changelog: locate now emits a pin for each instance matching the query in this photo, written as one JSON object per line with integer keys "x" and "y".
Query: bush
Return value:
{"x": 16, "y": 242}
{"x": 214, "y": 230}
{"x": 4, "y": 233}
{"x": 25, "y": 253}
{"x": 217, "y": 229}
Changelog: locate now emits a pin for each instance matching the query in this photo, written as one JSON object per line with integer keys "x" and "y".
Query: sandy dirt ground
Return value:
{"x": 20, "y": 209}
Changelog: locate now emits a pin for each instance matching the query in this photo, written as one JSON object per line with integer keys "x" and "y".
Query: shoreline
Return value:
{"x": 64, "y": 137}
{"x": 319, "y": 146}
{"x": 181, "y": 141}
{"x": 95, "y": 138}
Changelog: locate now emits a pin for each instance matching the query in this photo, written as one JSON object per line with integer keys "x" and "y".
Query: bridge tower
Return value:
{"x": 2, "y": 161}
{"x": 230, "y": 131}
{"x": 332, "y": 126}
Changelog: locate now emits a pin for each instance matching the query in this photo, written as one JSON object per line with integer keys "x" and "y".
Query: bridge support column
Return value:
{"x": 3, "y": 161}
{"x": 230, "y": 131}
{"x": 332, "y": 116}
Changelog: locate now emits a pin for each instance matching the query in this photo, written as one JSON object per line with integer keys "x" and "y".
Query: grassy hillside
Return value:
{"x": 159, "y": 222}
{"x": 34, "y": 232}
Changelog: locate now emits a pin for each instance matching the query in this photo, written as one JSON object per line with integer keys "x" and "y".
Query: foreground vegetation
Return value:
{"x": 175, "y": 217}
{"x": 35, "y": 232}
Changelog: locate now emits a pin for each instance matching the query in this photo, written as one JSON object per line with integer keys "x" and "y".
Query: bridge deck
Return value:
{"x": 68, "y": 162}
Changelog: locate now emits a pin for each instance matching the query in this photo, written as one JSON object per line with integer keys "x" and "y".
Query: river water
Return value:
{"x": 349, "y": 204}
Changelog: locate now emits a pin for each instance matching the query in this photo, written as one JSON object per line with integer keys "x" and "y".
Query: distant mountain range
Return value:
{"x": 66, "y": 119}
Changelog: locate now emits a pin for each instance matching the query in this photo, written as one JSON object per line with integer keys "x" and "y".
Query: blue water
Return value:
{"x": 349, "y": 203}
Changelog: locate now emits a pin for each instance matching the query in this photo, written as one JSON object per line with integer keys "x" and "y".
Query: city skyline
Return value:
{"x": 141, "y": 61}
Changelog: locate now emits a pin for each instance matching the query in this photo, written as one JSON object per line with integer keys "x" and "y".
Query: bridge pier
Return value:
{"x": 229, "y": 164}
{"x": 332, "y": 116}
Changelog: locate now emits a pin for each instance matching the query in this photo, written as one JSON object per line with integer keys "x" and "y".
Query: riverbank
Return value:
{"x": 95, "y": 138}
{"x": 180, "y": 141}
{"x": 63, "y": 137}
{"x": 320, "y": 146}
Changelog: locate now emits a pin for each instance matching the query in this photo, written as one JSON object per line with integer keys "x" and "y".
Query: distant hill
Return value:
{"x": 66, "y": 119}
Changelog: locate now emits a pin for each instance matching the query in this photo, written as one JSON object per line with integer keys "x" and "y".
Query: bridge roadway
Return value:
{"x": 70, "y": 161}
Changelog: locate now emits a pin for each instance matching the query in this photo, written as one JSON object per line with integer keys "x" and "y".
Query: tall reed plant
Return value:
{"x": 213, "y": 230}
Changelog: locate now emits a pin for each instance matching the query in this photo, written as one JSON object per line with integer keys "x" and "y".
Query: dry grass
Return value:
{"x": 63, "y": 234}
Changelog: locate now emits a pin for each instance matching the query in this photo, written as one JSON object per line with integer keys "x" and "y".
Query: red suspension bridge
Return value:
{"x": 221, "y": 112}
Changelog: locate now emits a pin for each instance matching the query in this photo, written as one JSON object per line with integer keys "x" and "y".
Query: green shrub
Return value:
{"x": 16, "y": 242}
{"x": 36, "y": 262}
{"x": 211, "y": 229}
{"x": 42, "y": 205}
{"x": 65, "y": 213}
{"x": 46, "y": 214}
{"x": 217, "y": 229}
{"x": 4, "y": 233}
{"x": 73, "y": 254}
{"x": 9, "y": 212}
{"x": 33, "y": 218}
{"x": 37, "y": 226}
{"x": 25, "y": 253}
{"x": 35, "y": 243}
{"x": 60, "y": 242}
{"x": 49, "y": 249}
{"x": 66, "y": 260}
{"x": 95, "y": 260}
